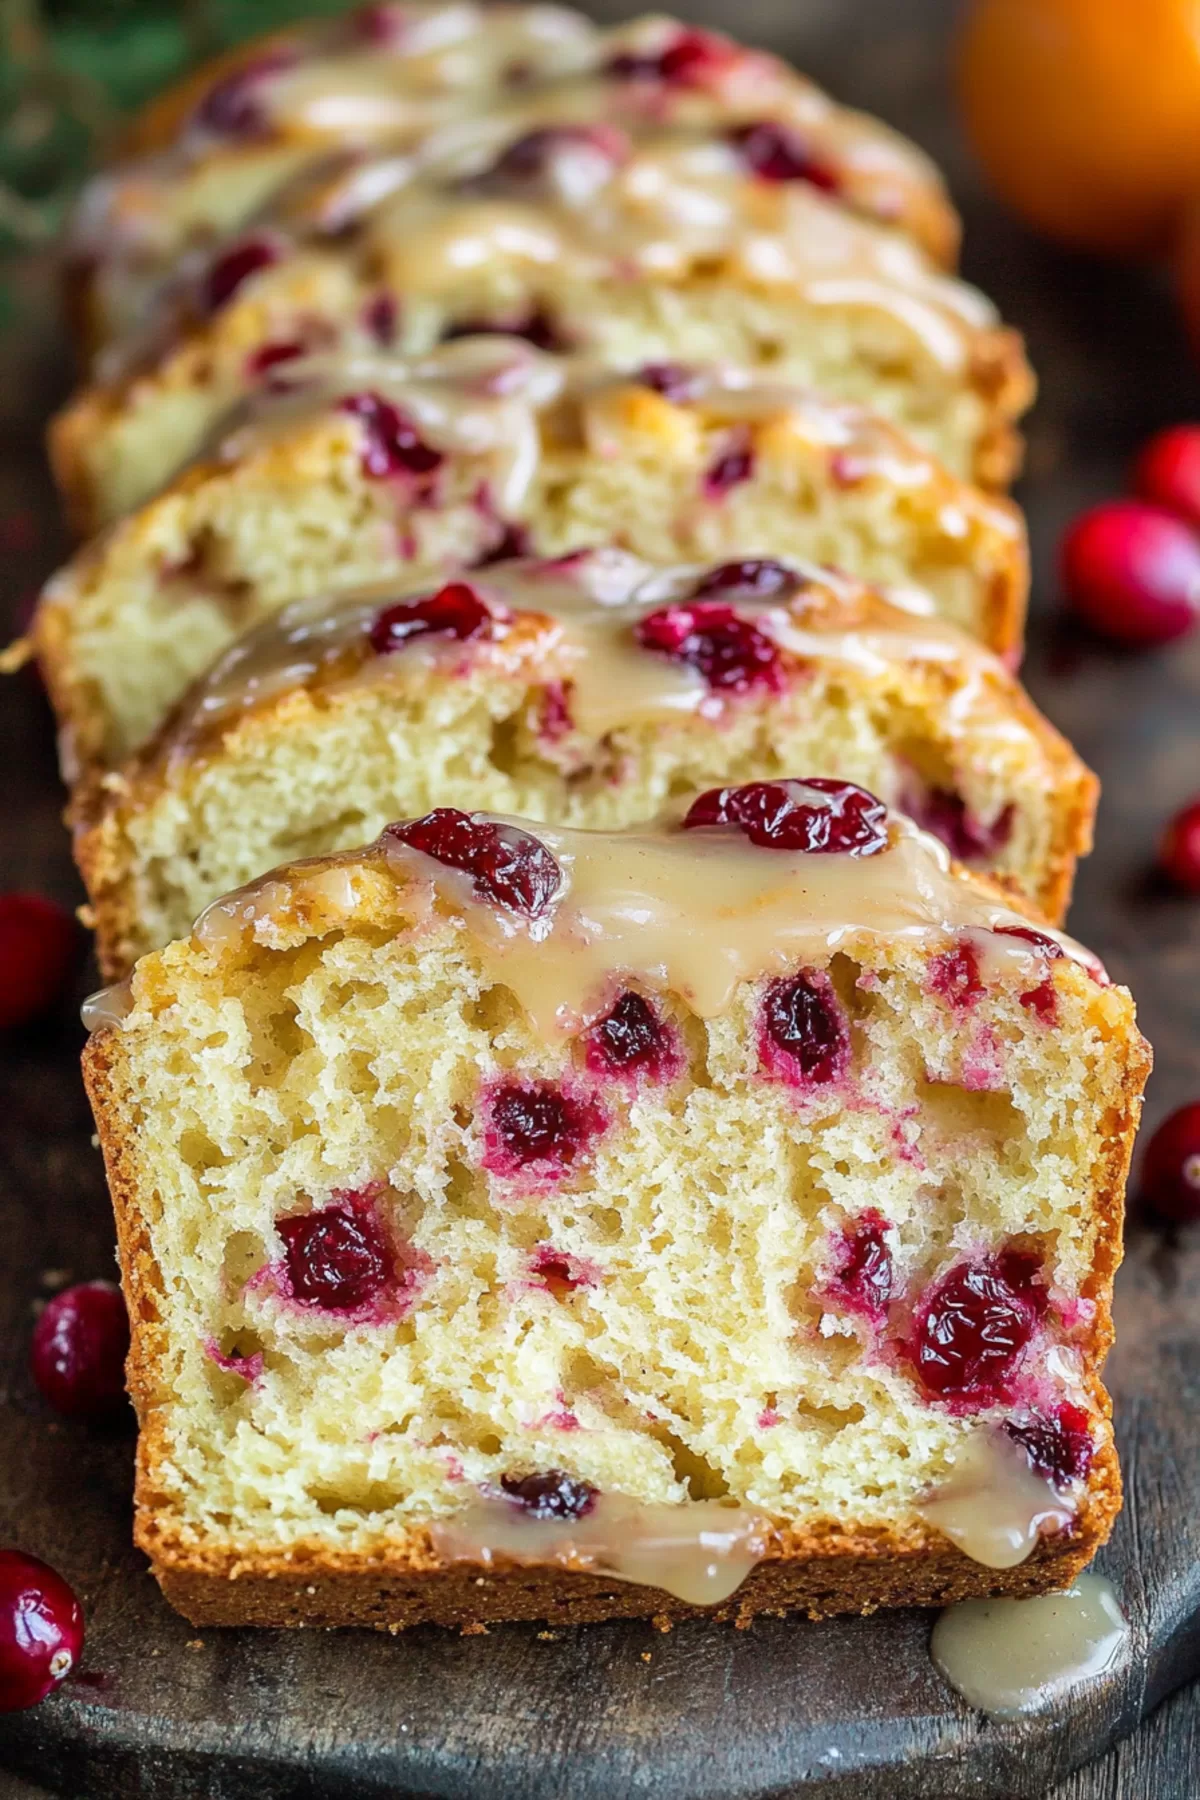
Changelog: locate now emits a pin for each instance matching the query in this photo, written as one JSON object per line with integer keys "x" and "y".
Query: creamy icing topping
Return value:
{"x": 994, "y": 1506}
{"x": 697, "y": 912}
{"x": 700, "y": 1551}
{"x": 1009, "y": 1657}
{"x": 588, "y": 607}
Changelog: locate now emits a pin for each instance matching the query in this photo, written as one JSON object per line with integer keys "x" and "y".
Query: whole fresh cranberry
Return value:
{"x": 731, "y": 653}
{"x": 805, "y": 1035}
{"x": 972, "y": 1328}
{"x": 757, "y": 578}
{"x": 539, "y": 1127}
{"x": 230, "y": 271}
{"x": 1167, "y": 472}
{"x": 392, "y": 445}
{"x": 694, "y": 58}
{"x": 506, "y": 865}
{"x": 39, "y": 944}
{"x": 1132, "y": 572}
{"x": 552, "y": 1495}
{"x": 78, "y": 1350}
{"x": 335, "y": 1256}
{"x": 776, "y": 152}
{"x": 863, "y": 1277}
{"x": 41, "y": 1630}
{"x": 817, "y": 815}
{"x": 1179, "y": 852}
{"x": 456, "y": 611}
{"x": 631, "y": 1039}
{"x": 1171, "y": 1166}
{"x": 1059, "y": 1444}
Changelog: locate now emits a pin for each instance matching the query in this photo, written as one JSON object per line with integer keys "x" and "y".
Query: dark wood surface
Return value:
{"x": 848, "y": 1708}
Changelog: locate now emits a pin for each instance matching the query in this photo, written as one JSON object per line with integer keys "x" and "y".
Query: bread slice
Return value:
{"x": 209, "y": 154}
{"x": 369, "y": 469}
{"x": 633, "y": 242}
{"x": 526, "y": 1223}
{"x": 536, "y": 688}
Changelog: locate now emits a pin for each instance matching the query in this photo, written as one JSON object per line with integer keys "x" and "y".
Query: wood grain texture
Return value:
{"x": 849, "y": 1709}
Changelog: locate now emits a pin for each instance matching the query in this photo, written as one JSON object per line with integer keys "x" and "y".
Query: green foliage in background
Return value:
{"x": 70, "y": 68}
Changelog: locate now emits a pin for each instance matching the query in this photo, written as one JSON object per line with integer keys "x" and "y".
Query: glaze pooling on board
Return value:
{"x": 1010, "y": 1657}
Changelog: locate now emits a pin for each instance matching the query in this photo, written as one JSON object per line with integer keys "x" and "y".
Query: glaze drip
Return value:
{"x": 994, "y": 1506}
{"x": 1010, "y": 1657}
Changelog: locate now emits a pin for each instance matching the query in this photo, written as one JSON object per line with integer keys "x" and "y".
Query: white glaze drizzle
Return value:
{"x": 993, "y": 1505}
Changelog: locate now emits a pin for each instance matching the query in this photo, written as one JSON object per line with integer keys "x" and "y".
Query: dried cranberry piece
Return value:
{"x": 78, "y": 1350}
{"x": 536, "y": 327}
{"x": 270, "y": 356}
{"x": 1171, "y": 1169}
{"x": 335, "y": 1256}
{"x": 729, "y": 469}
{"x": 506, "y": 865}
{"x": 802, "y": 1020}
{"x": 731, "y": 653}
{"x": 41, "y": 1630}
{"x": 631, "y": 1039}
{"x": 550, "y": 1496}
{"x": 973, "y": 1326}
{"x": 456, "y": 610}
{"x": 233, "y": 107}
{"x": 864, "y": 1277}
{"x": 538, "y": 1126}
{"x": 760, "y": 577}
{"x": 672, "y": 380}
{"x": 948, "y": 817}
{"x": 817, "y": 815}
{"x": 1059, "y": 1445}
{"x": 228, "y": 273}
{"x": 775, "y": 152}
{"x": 694, "y": 58}
{"x": 380, "y": 318}
{"x": 392, "y": 444}
{"x": 955, "y": 976}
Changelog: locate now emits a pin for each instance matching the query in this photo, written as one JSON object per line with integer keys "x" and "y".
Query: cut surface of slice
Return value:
{"x": 635, "y": 242}
{"x": 210, "y": 155}
{"x": 590, "y": 691}
{"x": 519, "y": 1221}
{"x": 362, "y": 470}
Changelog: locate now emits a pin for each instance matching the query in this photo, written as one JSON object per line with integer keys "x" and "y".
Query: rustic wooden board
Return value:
{"x": 848, "y": 1708}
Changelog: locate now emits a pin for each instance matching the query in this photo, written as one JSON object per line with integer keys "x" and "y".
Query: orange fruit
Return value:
{"x": 1086, "y": 114}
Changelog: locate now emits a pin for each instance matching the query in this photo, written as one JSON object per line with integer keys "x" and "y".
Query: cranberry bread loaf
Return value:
{"x": 496, "y": 1248}
{"x": 211, "y": 153}
{"x": 631, "y": 242}
{"x": 589, "y": 691}
{"x": 364, "y": 470}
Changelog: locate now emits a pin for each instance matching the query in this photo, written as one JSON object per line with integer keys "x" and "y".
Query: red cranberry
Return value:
{"x": 228, "y": 273}
{"x": 557, "y": 1272}
{"x": 947, "y": 816}
{"x": 380, "y": 318}
{"x": 955, "y": 976}
{"x": 513, "y": 542}
{"x": 729, "y": 469}
{"x": 760, "y": 577}
{"x": 532, "y": 158}
{"x": 456, "y": 611}
{"x": 731, "y": 653}
{"x": 233, "y": 107}
{"x": 41, "y": 1630}
{"x": 1171, "y": 1167}
{"x": 536, "y": 327}
{"x": 1132, "y": 572}
{"x": 1042, "y": 999}
{"x": 805, "y": 1034}
{"x": 78, "y": 1351}
{"x": 1045, "y": 946}
{"x": 261, "y": 362}
{"x": 1167, "y": 473}
{"x": 1059, "y": 1445}
{"x": 1179, "y": 853}
{"x": 863, "y": 1279}
{"x": 550, "y": 1496}
{"x": 506, "y": 865}
{"x": 775, "y": 152}
{"x": 973, "y": 1326}
{"x": 537, "y": 1126}
{"x": 816, "y": 815}
{"x": 335, "y": 1257}
{"x": 38, "y": 948}
{"x": 694, "y": 58}
{"x": 392, "y": 444}
{"x": 672, "y": 380}
{"x": 631, "y": 1039}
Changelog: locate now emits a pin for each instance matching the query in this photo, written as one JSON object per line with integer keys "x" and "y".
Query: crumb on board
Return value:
{"x": 478, "y": 1629}
{"x": 661, "y": 1622}
{"x": 547, "y": 1637}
